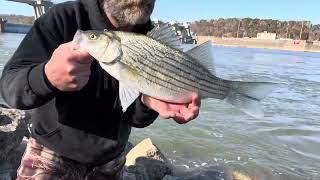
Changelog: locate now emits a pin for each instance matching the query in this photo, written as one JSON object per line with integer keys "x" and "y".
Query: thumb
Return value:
{"x": 195, "y": 99}
{"x": 82, "y": 56}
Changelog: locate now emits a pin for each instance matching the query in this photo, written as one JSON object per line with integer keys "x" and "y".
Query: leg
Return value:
{"x": 41, "y": 163}
{"x": 112, "y": 170}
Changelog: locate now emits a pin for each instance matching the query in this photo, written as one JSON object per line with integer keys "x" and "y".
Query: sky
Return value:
{"x": 191, "y": 10}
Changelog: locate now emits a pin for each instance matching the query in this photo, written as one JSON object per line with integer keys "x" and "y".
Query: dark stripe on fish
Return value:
{"x": 209, "y": 87}
{"x": 198, "y": 71}
{"x": 210, "y": 90}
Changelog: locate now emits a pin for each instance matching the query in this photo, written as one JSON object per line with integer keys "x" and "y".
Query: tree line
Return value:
{"x": 248, "y": 27}
{"x": 232, "y": 27}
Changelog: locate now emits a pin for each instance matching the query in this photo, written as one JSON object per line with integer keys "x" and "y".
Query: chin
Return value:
{"x": 140, "y": 18}
{"x": 142, "y": 21}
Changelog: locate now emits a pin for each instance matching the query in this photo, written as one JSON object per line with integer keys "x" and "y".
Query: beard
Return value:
{"x": 129, "y": 12}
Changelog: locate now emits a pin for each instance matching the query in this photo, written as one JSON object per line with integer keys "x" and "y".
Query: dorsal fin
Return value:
{"x": 204, "y": 55}
{"x": 167, "y": 35}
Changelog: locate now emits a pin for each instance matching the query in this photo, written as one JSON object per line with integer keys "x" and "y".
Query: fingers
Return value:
{"x": 78, "y": 54}
{"x": 76, "y": 69}
{"x": 79, "y": 67}
{"x": 69, "y": 67}
{"x": 190, "y": 112}
{"x": 77, "y": 82}
{"x": 168, "y": 114}
{"x": 181, "y": 113}
{"x": 81, "y": 82}
{"x": 193, "y": 110}
{"x": 195, "y": 99}
{"x": 186, "y": 114}
{"x": 82, "y": 57}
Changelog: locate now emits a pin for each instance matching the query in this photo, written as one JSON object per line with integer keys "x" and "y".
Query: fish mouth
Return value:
{"x": 77, "y": 37}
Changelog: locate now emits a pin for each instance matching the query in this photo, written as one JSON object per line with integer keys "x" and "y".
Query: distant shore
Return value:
{"x": 289, "y": 45}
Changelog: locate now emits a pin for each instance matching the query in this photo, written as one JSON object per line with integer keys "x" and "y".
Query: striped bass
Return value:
{"x": 154, "y": 65}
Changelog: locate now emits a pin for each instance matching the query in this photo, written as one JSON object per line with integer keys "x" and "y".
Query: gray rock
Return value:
{"x": 9, "y": 166}
{"x": 147, "y": 161}
{"x": 13, "y": 127}
{"x": 129, "y": 176}
{"x": 139, "y": 172}
{"x": 168, "y": 177}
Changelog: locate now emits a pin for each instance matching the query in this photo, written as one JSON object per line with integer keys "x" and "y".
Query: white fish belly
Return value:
{"x": 134, "y": 80}
{"x": 164, "y": 93}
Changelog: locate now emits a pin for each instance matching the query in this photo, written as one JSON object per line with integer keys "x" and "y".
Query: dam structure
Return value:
{"x": 40, "y": 7}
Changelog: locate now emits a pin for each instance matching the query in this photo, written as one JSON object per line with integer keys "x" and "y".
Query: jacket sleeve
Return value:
{"x": 24, "y": 84}
{"x": 138, "y": 115}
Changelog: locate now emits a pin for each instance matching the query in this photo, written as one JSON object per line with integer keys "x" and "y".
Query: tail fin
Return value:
{"x": 247, "y": 95}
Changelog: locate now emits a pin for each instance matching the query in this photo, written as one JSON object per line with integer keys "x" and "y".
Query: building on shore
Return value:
{"x": 40, "y": 7}
{"x": 316, "y": 43}
{"x": 267, "y": 36}
{"x": 6, "y": 27}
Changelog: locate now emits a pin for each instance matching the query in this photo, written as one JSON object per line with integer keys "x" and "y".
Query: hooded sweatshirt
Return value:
{"x": 86, "y": 125}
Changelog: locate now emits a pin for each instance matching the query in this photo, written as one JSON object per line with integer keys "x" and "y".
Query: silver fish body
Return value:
{"x": 166, "y": 73}
{"x": 150, "y": 66}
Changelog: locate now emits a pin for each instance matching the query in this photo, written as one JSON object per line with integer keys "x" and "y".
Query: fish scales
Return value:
{"x": 167, "y": 64}
{"x": 158, "y": 49}
{"x": 194, "y": 86}
{"x": 186, "y": 61}
{"x": 164, "y": 71}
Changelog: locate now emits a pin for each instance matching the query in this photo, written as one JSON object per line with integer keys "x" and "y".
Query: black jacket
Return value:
{"x": 86, "y": 125}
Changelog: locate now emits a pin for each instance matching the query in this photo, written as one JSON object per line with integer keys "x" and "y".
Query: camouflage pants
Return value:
{"x": 41, "y": 163}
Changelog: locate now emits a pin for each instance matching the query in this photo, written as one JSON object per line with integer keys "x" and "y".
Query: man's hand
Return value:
{"x": 181, "y": 113}
{"x": 69, "y": 68}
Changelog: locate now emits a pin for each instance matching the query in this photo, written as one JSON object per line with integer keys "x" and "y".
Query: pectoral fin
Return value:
{"x": 127, "y": 96}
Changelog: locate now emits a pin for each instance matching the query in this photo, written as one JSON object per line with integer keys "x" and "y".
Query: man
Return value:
{"x": 78, "y": 128}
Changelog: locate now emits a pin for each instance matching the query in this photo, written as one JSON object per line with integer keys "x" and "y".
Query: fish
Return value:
{"x": 154, "y": 64}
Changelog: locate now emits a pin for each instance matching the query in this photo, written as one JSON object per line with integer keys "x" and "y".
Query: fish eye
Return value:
{"x": 93, "y": 37}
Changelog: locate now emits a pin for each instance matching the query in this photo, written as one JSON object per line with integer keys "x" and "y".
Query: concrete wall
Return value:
{"x": 316, "y": 43}
{"x": 16, "y": 28}
{"x": 292, "y": 45}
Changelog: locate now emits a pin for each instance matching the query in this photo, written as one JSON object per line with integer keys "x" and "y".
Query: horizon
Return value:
{"x": 191, "y": 11}
{"x": 156, "y": 19}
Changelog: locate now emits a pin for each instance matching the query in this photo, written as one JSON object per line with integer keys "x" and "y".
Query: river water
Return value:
{"x": 285, "y": 144}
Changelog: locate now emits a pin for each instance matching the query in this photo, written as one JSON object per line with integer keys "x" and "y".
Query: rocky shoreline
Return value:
{"x": 144, "y": 161}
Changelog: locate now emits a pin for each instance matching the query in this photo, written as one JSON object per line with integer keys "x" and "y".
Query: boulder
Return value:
{"x": 168, "y": 177}
{"x": 9, "y": 166}
{"x": 240, "y": 176}
{"x": 13, "y": 127}
{"x": 146, "y": 161}
{"x": 129, "y": 176}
